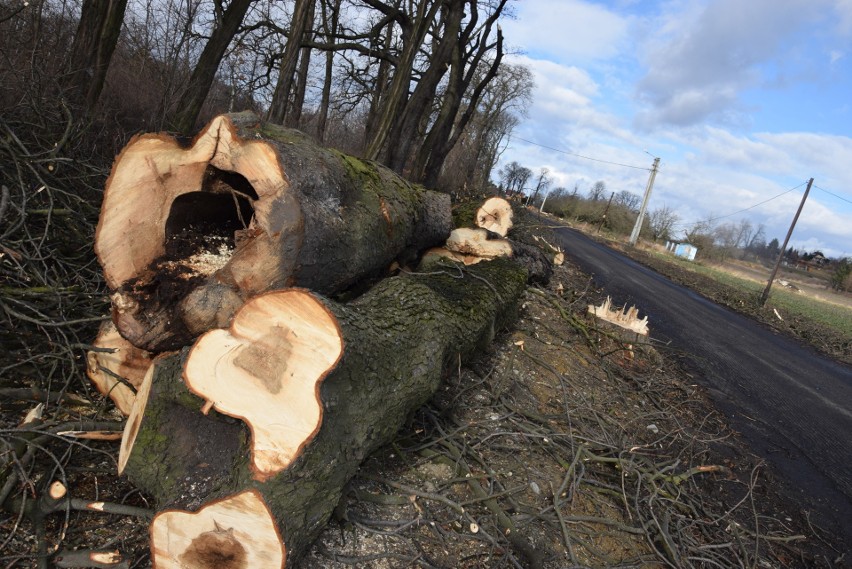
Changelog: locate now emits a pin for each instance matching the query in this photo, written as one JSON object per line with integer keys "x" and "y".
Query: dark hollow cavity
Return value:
{"x": 206, "y": 220}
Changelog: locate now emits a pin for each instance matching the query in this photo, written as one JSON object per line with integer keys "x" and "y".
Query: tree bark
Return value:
{"x": 186, "y": 235}
{"x": 398, "y": 337}
{"x": 302, "y": 13}
{"x": 92, "y": 49}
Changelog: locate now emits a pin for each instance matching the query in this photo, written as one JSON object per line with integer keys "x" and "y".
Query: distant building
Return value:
{"x": 684, "y": 250}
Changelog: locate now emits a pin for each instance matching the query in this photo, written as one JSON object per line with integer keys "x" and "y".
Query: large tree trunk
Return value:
{"x": 227, "y": 25}
{"x": 302, "y": 16}
{"x": 398, "y": 338}
{"x": 187, "y": 234}
{"x": 94, "y": 43}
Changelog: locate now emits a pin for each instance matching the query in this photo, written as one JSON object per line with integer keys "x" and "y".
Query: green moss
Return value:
{"x": 464, "y": 213}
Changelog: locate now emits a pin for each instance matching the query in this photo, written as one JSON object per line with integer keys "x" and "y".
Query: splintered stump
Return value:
{"x": 319, "y": 417}
{"x": 187, "y": 234}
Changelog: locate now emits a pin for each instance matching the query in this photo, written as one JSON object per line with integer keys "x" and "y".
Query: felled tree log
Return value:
{"x": 398, "y": 338}
{"x": 187, "y": 234}
{"x": 471, "y": 246}
{"x": 495, "y": 215}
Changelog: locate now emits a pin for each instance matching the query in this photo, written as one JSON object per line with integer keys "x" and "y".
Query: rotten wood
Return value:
{"x": 187, "y": 234}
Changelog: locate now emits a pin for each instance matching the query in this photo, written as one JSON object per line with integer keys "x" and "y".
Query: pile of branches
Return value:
{"x": 52, "y": 300}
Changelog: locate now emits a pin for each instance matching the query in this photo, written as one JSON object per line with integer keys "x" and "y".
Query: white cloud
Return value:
{"x": 567, "y": 30}
{"x": 707, "y": 53}
{"x": 844, "y": 13}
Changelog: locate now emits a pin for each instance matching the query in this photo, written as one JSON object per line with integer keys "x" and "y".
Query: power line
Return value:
{"x": 833, "y": 194}
{"x": 748, "y": 208}
{"x": 579, "y": 155}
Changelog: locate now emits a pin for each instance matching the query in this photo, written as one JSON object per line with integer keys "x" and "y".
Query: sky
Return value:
{"x": 742, "y": 100}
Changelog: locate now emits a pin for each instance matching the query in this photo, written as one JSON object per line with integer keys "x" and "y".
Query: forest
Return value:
{"x": 418, "y": 86}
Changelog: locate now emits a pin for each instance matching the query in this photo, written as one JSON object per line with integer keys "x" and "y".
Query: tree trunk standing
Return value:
{"x": 380, "y": 89}
{"x": 189, "y": 106}
{"x": 302, "y": 11}
{"x": 399, "y": 337}
{"x": 248, "y": 208}
{"x": 94, "y": 43}
{"x": 448, "y": 129}
{"x": 329, "y": 24}
{"x": 404, "y": 132}
{"x": 295, "y": 115}
{"x": 413, "y": 34}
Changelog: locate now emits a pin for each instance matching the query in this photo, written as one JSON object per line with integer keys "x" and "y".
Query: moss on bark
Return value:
{"x": 398, "y": 337}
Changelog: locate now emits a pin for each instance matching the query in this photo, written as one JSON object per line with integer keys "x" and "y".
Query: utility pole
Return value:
{"x": 634, "y": 236}
{"x": 544, "y": 201}
{"x": 765, "y": 295}
{"x": 606, "y": 209}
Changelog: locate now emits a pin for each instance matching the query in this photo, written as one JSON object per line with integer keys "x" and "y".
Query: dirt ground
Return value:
{"x": 569, "y": 444}
{"x": 590, "y": 448}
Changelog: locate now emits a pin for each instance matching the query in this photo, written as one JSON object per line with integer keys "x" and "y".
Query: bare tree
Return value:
{"x": 514, "y": 178}
{"x": 627, "y": 200}
{"x": 597, "y": 191}
{"x": 94, "y": 43}
{"x": 662, "y": 222}
{"x": 226, "y": 23}
{"x": 303, "y": 11}
{"x": 469, "y": 66}
{"x": 541, "y": 185}
{"x": 330, "y": 22}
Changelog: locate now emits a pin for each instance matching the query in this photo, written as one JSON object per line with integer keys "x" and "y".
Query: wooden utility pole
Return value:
{"x": 634, "y": 236}
{"x": 606, "y": 209}
{"x": 765, "y": 295}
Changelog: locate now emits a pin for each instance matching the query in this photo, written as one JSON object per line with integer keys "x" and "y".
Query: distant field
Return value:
{"x": 824, "y": 325}
{"x": 785, "y": 301}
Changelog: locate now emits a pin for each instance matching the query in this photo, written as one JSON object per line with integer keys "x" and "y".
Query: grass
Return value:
{"x": 824, "y": 325}
{"x": 835, "y": 316}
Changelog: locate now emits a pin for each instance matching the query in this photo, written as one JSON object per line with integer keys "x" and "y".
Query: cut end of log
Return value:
{"x": 267, "y": 370}
{"x": 627, "y": 318}
{"x": 126, "y": 361}
{"x": 174, "y": 218}
{"x": 475, "y": 242}
{"x": 237, "y": 532}
{"x": 444, "y": 253}
{"x": 495, "y": 215}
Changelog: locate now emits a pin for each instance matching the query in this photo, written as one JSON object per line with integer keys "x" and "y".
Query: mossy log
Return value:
{"x": 186, "y": 234}
{"x": 398, "y": 340}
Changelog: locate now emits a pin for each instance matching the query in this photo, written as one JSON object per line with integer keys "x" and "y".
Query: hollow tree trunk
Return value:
{"x": 398, "y": 338}
{"x": 187, "y": 234}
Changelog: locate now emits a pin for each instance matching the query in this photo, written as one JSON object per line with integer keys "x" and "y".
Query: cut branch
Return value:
{"x": 116, "y": 367}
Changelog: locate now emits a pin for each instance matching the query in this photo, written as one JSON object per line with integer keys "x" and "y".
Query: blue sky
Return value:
{"x": 741, "y": 99}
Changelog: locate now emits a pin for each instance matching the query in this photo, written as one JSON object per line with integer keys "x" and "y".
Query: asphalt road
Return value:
{"x": 792, "y": 405}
